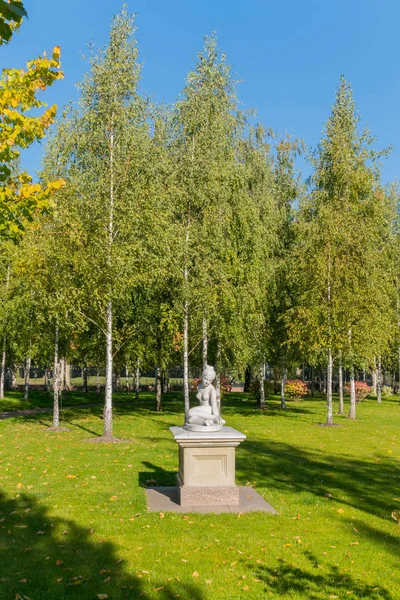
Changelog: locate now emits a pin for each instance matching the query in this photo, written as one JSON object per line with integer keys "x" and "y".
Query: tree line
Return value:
{"x": 185, "y": 234}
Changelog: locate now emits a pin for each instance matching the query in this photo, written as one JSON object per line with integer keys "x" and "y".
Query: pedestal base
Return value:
{"x": 207, "y": 467}
{"x": 190, "y": 495}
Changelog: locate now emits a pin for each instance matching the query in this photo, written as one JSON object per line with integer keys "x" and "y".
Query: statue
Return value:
{"x": 206, "y": 417}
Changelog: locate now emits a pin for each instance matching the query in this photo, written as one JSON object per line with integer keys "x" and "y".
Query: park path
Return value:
{"x": 9, "y": 414}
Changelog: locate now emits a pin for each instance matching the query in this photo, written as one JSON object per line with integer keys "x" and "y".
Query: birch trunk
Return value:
{"x": 13, "y": 377}
{"x": 186, "y": 355}
{"x": 56, "y": 384}
{"x": 218, "y": 378}
{"x": 61, "y": 372}
{"x": 374, "y": 377}
{"x": 3, "y": 356}
{"x": 158, "y": 390}
{"x": 67, "y": 376}
{"x": 27, "y": 374}
{"x": 137, "y": 389}
{"x": 329, "y": 403}
{"x": 3, "y": 368}
{"x": 283, "y": 383}
{"x": 341, "y": 401}
{"x": 262, "y": 391}
{"x": 165, "y": 381}
{"x": 379, "y": 380}
{"x": 108, "y": 422}
{"x": 352, "y": 412}
{"x": 312, "y": 384}
{"x": 205, "y": 343}
{"x": 127, "y": 379}
{"x": 47, "y": 380}
{"x": 398, "y": 389}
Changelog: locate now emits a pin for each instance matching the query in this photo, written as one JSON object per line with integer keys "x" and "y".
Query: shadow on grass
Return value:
{"x": 326, "y": 582}
{"x": 44, "y": 556}
{"x": 358, "y": 483}
{"x": 156, "y": 476}
{"x": 377, "y": 536}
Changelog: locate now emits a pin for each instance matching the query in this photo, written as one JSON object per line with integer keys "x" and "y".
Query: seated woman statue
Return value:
{"x": 207, "y": 414}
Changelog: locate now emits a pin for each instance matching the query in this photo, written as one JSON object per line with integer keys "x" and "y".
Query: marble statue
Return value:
{"x": 205, "y": 418}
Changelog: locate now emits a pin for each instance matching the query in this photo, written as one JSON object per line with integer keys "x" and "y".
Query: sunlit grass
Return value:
{"x": 74, "y": 522}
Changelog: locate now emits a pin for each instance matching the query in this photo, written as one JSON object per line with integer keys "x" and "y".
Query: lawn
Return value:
{"x": 74, "y": 522}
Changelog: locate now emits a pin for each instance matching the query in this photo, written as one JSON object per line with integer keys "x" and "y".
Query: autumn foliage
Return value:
{"x": 295, "y": 389}
{"x": 20, "y": 198}
{"x": 362, "y": 390}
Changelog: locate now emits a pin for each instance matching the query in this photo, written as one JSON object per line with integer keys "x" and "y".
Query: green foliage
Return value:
{"x": 11, "y": 15}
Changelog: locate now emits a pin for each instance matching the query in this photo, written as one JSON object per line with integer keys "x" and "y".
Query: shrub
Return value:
{"x": 296, "y": 389}
{"x": 387, "y": 390}
{"x": 195, "y": 383}
{"x": 362, "y": 390}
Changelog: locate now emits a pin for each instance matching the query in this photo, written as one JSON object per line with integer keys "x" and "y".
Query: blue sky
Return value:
{"x": 289, "y": 55}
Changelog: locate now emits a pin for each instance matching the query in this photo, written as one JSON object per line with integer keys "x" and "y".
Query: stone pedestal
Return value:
{"x": 206, "y": 474}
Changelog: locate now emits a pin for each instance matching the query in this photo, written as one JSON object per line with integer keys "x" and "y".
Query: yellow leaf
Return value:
{"x": 102, "y": 596}
{"x": 195, "y": 574}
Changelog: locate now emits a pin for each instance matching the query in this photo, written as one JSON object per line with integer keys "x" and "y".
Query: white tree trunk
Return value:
{"x": 13, "y": 377}
{"x": 108, "y": 422}
{"x": 329, "y": 403}
{"x": 127, "y": 379}
{"x": 67, "y": 375}
{"x": 137, "y": 386}
{"x": 374, "y": 377}
{"x": 3, "y": 368}
{"x": 186, "y": 357}
{"x": 158, "y": 389}
{"x": 218, "y": 377}
{"x": 283, "y": 383}
{"x": 398, "y": 389}
{"x": 27, "y": 373}
{"x": 205, "y": 343}
{"x": 56, "y": 383}
{"x": 352, "y": 411}
{"x": 379, "y": 380}
{"x": 262, "y": 392}
{"x": 341, "y": 401}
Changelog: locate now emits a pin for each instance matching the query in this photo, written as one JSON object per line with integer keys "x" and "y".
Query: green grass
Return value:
{"x": 74, "y": 523}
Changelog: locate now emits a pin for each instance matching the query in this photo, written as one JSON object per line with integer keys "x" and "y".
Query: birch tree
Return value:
{"x": 341, "y": 233}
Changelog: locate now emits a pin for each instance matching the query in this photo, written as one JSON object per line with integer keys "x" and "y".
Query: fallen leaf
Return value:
{"x": 195, "y": 574}
{"x": 161, "y": 515}
{"x": 341, "y": 511}
{"x": 59, "y": 562}
{"x": 107, "y": 579}
{"x": 102, "y": 596}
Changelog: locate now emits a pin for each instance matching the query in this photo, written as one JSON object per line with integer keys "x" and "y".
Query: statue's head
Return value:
{"x": 209, "y": 374}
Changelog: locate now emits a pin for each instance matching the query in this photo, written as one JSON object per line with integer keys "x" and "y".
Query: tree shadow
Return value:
{"x": 45, "y": 556}
{"x": 390, "y": 541}
{"x": 326, "y": 581}
{"x": 368, "y": 486}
